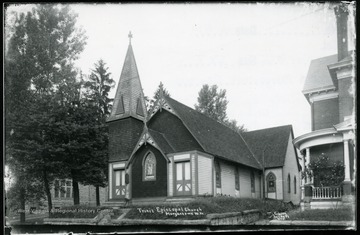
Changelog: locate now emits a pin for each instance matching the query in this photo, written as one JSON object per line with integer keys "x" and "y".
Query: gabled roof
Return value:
{"x": 318, "y": 77}
{"x": 129, "y": 98}
{"x": 160, "y": 139}
{"x": 273, "y": 141}
{"x": 214, "y": 137}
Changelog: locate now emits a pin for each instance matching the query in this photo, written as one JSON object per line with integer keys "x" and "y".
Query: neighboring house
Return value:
{"x": 62, "y": 195}
{"x": 329, "y": 88}
{"x": 177, "y": 152}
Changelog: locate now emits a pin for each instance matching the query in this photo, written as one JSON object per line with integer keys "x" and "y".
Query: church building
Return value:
{"x": 174, "y": 151}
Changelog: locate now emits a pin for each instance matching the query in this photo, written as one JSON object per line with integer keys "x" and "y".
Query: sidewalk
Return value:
{"x": 306, "y": 223}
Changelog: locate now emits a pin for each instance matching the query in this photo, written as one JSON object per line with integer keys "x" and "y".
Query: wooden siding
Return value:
{"x": 257, "y": 185}
{"x": 205, "y": 175}
{"x": 193, "y": 173}
{"x": 279, "y": 183}
{"x": 151, "y": 188}
{"x": 170, "y": 177}
{"x": 290, "y": 167}
{"x": 227, "y": 179}
{"x": 245, "y": 185}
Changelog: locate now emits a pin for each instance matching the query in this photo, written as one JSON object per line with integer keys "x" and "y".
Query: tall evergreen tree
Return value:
{"x": 98, "y": 87}
{"x": 151, "y": 102}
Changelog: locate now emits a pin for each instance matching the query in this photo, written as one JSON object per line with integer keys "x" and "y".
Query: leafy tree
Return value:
{"x": 213, "y": 103}
{"x": 41, "y": 49}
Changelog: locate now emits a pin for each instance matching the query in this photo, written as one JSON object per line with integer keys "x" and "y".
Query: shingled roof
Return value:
{"x": 214, "y": 137}
{"x": 129, "y": 98}
{"x": 274, "y": 141}
{"x": 160, "y": 139}
{"x": 318, "y": 77}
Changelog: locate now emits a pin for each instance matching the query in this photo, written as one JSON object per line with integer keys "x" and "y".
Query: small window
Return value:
{"x": 289, "y": 184}
{"x": 294, "y": 184}
{"x": 218, "y": 174}
{"x": 271, "y": 182}
{"x": 149, "y": 166}
{"x": 139, "y": 108}
{"x": 237, "y": 182}
{"x": 120, "y": 106}
{"x": 63, "y": 189}
{"x": 252, "y": 178}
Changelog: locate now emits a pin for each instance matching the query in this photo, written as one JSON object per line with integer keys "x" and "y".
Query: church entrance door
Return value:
{"x": 183, "y": 179}
{"x": 119, "y": 184}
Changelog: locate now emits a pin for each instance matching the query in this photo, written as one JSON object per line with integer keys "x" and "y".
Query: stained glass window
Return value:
{"x": 218, "y": 174}
{"x": 237, "y": 182}
{"x": 150, "y": 167}
{"x": 271, "y": 182}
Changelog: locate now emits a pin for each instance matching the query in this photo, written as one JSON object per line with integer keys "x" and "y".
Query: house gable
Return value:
{"x": 173, "y": 129}
{"x": 270, "y": 143}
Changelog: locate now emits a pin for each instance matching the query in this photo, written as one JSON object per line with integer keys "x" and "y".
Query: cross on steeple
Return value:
{"x": 130, "y": 36}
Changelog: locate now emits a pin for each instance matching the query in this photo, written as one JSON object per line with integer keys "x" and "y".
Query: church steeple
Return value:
{"x": 129, "y": 98}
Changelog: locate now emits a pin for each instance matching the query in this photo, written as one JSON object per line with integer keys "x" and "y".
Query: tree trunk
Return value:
{"x": 47, "y": 190}
{"x": 97, "y": 195}
{"x": 75, "y": 188}
{"x": 22, "y": 204}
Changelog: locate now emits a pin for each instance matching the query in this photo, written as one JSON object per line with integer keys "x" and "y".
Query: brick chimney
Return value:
{"x": 341, "y": 13}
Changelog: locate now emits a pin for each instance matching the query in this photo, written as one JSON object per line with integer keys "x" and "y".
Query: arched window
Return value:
{"x": 289, "y": 183}
{"x": 149, "y": 167}
{"x": 218, "y": 174}
{"x": 252, "y": 179}
{"x": 294, "y": 184}
{"x": 271, "y": 182}
{"x": 237, "y": 182}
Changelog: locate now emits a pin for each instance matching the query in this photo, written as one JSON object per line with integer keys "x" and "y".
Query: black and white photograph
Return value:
{"x": 179, "y": 117}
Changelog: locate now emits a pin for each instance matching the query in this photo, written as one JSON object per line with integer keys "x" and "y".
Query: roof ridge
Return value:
{"x": 206, "y": 116}
{"x": 163, "y": 135}
{"x": 268, "y": 128}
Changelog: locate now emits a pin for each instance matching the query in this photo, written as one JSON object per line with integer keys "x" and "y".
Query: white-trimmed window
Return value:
{"x": 63, "y": 189}
{"x": 294, "y": 184}
{"x": 149, "y": 167}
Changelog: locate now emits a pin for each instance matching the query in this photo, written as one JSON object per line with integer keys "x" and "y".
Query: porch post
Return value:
{"x": 303, "y": 179}
{"x": 308, "y": 186}
{"x": 347, "y": 160}
{"x": 347, "y": 180}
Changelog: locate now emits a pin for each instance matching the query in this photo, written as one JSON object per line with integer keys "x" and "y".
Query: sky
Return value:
{"x": 259, "y": 53}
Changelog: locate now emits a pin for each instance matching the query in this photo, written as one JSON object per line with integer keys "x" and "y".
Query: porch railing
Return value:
{"x": 326, "y": 192}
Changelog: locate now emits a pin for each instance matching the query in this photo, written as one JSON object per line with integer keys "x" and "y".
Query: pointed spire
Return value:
{"x": 129, "y": 98}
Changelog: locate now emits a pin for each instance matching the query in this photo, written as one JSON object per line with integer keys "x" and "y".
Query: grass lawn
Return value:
{"x": 340, "y": 214}
{"x": 200, "y": 207}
